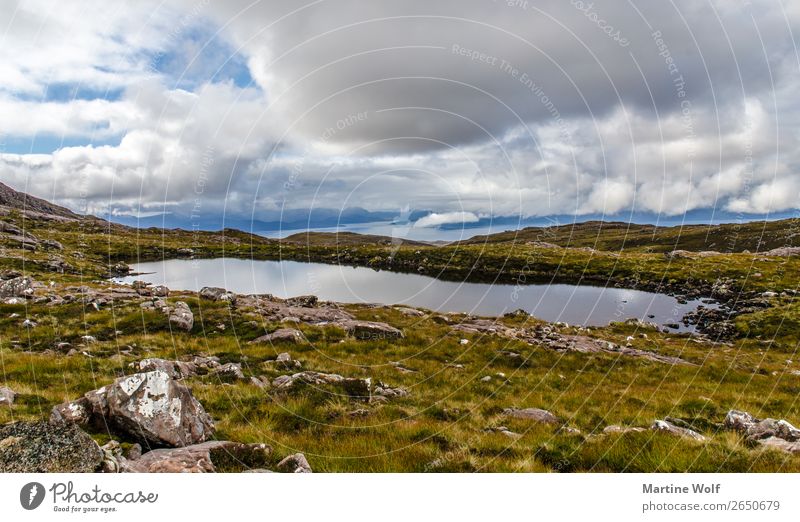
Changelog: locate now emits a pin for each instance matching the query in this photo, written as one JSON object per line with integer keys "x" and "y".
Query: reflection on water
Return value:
{"x": 573, "y": 304}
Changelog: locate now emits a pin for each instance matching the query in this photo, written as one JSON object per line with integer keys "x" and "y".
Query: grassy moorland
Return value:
{"x": 451, "y": 418}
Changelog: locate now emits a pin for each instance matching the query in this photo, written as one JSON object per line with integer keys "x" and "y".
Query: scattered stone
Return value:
{"x": 296, "y": 463}
{"x": 368, "y": 330}
{"x": 533, "y": 414}
{"x": 229, "y": 372}
{"x": 181, "y": 316}
{"x": 486, "y": 379}
{"x": 7, "y": 396}
{"x": 150, "y": 407}
{"x": 283, "y": 335}
{"x": 383, "y": 391}
{"x": 43, "y": 447}
{"x": 284, "y": 361}
{"x": 175, "y": 369}
{"x": 668, "y": 427}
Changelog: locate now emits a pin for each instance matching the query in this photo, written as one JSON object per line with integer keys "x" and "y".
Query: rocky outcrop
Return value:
{"x": 43, "y": 447}
{"x": 782, "y": 252}
{"x": 282, "y": 335}
{"x": 532, "y": 414}
{"x": 372, "y": 331}
{"x": 149, "y": 407}
{"x": 766, "y": 432}
{"x": 296, "y": 463}
{"x": 181, "y": 316}
{"x": 7, "y": 396}
{"x": 206, "y": 457}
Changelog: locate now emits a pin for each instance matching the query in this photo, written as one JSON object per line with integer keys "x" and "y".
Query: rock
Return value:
{"x": 296, "y": 463}
{"x": 7, "y": 396}
{"x": 181, "y": 316}
{"x": 781, "y": 444}
{"x": 119, "y": 270}
{"x": 284, "y": 361}
{"x": 668, "y": 427}
{"x": 614, "y": 428}
{"x": 283, "y": 335}
{"x": 303, "y": 301}
{"x": 148, "y": 407}
{"x": 519, "y": 312}
{"x": 159, "y": 291}
{"x": 533, "y": 414}
{"x": 206, "y": 457}
{"x": 368, "y": 330}
{"x": 381, "y": 390}
{"x": 43, "y": 447}
{"x": 755, "y": 429}
{"x": 217, "y": 294}
{"x": 783, "y": 252}
{"x": 229, "y": 372}
{"x": 17, "y": 287}
{"x": 354, "y": 387}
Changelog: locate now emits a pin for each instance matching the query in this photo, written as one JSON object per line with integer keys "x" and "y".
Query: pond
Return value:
{"x": 573, "y": 304}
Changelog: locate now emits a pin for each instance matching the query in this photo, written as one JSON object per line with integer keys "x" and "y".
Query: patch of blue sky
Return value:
{"x": 47, "y": 144}
{"x": 201, "y": 56}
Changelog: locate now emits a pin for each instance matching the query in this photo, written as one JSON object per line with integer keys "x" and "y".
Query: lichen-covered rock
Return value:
{"x": 296, "y": 463}
{"x": 368, "y": 330}
{"x": 206, "y": 457}
{"x": 181, "y": 316}
{"x": 175, "y": 369}
{"x": 354, "y": 387}
{"x": 17, "y": 287}
{"x": 755, "y": 429}
{"x": 44, "y": 447}
{"x": 229, "y": 372}
{"x": 149, "y": 407}
{"x": 532, "y": 414}
{"x": 780, "y": 444}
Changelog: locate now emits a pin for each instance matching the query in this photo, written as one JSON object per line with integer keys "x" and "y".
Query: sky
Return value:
{"x": 465, "y": 108}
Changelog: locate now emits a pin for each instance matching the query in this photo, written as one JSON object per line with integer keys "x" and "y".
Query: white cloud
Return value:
{"x": 447, "y": 218}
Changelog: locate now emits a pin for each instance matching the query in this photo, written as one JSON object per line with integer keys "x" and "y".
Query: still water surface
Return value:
{"x": 573, "y": 304}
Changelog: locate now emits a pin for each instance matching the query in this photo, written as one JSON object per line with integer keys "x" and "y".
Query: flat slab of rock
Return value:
{"x": 206, "y": 457}
{"x": 780, "y": 444}
{"x": 282, "y": 335}
{"x": 43, "y": 447}
{"x": 614, "y": 428}
{"x": 532, "y": 414}
{"x": 150, "y": 407}
{"x": 368, "y": 330}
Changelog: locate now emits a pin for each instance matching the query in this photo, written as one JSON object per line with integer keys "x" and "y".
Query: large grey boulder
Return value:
{"x": 43, "y": 447}
{"x": 181, "y": 316}
{"x": 149, "y": 407}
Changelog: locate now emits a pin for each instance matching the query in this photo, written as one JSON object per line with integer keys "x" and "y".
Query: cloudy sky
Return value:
{"x": 468, "y": 108}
